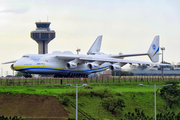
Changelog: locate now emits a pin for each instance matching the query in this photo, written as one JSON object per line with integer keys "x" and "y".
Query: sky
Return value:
{"x": 127, "y": 26}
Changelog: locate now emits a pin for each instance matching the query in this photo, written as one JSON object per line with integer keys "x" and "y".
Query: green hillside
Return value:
{"x": 91, "y": 98}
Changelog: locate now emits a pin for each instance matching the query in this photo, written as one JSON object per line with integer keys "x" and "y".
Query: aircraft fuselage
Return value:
{"x": 49, "y": 64}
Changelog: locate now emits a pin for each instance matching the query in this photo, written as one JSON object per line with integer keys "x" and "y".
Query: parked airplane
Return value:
{"x": 67, "y": 64}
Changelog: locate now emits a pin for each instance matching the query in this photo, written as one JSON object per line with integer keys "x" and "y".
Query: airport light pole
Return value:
{"x": 162, "y": 48}
{"x": 1, "y": 71}
{"x": 155, "y": 95}
{"x": 77, "y": 97}
{"x": 13, "y": 72}
{"x": 78, "y": 50}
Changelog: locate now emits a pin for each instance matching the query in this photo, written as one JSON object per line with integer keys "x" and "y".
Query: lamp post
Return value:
{"x": 162, "y": 48}
{"x": 155, "y": 95}
{"x": 77, "y": 97}
{"x": 78, "y": 50}
{"x": 1, "y": 71}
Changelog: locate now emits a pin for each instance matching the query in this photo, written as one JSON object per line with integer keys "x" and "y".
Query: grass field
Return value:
{"x": 47, "y": 89}
{"x": 135, "y": 96}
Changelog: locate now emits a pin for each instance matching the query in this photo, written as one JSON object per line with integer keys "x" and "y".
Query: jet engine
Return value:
{"x": 12, "y": 67}
{"x": 71, "y": 65}
{"x": 93, "y": 66}
{"x": 115, "y": 67}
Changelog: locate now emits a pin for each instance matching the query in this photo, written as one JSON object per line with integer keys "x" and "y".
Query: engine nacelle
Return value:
{"x": 115, "y": 67}
{"x": 71, "y": 65}
{"x": 12, "y": 67}
{"x": 93, "y": 66}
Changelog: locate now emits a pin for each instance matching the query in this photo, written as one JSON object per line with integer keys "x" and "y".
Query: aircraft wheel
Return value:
{"x": 28, "y": 76}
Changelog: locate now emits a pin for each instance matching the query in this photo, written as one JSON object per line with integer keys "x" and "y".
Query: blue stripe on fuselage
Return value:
{"x": 51, "y": 70}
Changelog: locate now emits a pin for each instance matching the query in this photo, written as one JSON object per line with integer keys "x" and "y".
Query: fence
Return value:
{"x": 49, "y": 80}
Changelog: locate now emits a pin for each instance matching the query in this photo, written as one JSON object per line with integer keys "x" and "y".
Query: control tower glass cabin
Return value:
{"x": 43, "y": 35}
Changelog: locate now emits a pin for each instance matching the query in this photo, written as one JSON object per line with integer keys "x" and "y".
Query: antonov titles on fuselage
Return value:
{"x": 67, "y": 64}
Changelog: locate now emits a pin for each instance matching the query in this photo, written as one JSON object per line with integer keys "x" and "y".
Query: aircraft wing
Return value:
{"x": 115, "y": 60}
{"x": 9, "y": 62}
{"x": 67, "y": 57}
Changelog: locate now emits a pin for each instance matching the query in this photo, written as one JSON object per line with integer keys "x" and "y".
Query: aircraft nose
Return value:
{"x": 16, "y": 64}
{"x": 12, "y": 67}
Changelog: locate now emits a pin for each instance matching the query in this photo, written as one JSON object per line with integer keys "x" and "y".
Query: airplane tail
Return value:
{"x": 153, "y": 51}
{"x": 95, "y": 48}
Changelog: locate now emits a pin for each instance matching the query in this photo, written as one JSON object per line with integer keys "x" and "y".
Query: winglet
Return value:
{"x": 153, "y": 51}
{"x": 96, "y": 46}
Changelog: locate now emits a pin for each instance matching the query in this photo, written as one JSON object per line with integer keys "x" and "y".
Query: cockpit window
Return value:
{"x": 25, "y": 56}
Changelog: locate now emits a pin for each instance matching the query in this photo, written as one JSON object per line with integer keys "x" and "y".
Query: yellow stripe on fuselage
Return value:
{"x": 35, "y": 66}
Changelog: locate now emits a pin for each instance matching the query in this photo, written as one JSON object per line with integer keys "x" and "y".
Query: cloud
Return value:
{"x": 15, "y": 10}
{"x": 15, "y": 7}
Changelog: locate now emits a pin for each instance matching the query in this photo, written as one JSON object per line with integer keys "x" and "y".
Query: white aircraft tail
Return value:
{"x": 153, "y": 51}
{"x": 95, "y": 48}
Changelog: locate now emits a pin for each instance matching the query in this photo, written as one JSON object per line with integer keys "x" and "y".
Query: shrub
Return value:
{"x": 65, "y": 100}
{"x": 102, "y": 92}
{"x": 88, "y": 87}
{"x": 111, "y": 103}
{"x": 119, "y": 94}
{"x": 71, "y": 119}
{"x": 171, "y": 93}
{"x": 9, "y": 118}
{"x": 138, "y": 115}
{"x": 82, "y": 92}
{"x": 71, "y": 93}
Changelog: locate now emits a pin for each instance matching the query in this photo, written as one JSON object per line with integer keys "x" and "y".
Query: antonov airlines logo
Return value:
{"x": 40, "y": 63}
{"x": 154, "y": 46}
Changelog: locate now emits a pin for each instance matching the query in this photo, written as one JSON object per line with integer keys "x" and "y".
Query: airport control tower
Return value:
{"x": 43, "y": 35}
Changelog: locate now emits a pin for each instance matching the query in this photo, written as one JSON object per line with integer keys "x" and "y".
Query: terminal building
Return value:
{"x": 43, "y": 35}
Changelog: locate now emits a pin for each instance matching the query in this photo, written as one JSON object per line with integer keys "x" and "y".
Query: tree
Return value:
{"x": 137, "y": 115}
{"x": 19, "y": 74}
{"x": 168, "y": 116}
{"x": 111, "y": 104}
{"x": 171, "y": 93}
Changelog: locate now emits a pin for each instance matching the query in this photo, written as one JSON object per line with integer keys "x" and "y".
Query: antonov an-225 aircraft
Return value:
{"x": 67, "y": 64}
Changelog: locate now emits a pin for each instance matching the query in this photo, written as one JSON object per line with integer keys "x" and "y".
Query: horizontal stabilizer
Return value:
{"x": 128, "y": 55}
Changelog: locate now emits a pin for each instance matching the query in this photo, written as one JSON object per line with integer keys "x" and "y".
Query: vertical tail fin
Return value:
{"x": 96, "y": 45}
{"x": 153, "y": 51}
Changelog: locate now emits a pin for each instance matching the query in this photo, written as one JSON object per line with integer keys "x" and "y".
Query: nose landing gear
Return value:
{"x": 27, "y": 75}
